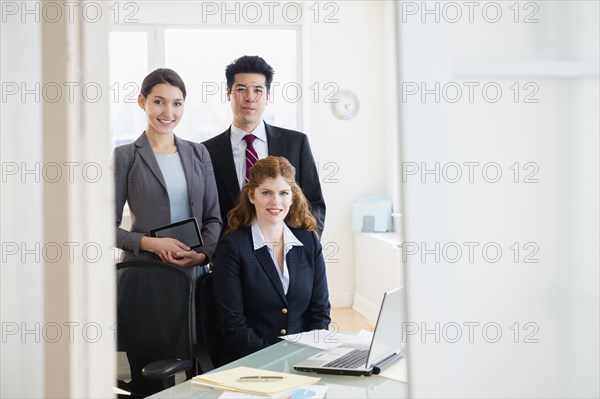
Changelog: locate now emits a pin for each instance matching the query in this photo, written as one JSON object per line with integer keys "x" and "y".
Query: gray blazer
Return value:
{"x": 139, "y": 181}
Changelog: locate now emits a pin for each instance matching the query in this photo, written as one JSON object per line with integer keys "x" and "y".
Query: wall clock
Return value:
{"x": 346, "y": 105}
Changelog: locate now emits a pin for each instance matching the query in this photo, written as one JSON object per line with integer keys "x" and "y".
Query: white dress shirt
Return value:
{"x": 238, "y": 145}
{"x": 289, "y": 241}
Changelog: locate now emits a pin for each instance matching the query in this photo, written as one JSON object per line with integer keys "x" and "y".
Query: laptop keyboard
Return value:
{"x": 351, "y": 360}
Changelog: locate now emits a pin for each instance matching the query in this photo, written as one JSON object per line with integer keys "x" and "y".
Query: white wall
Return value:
{"x": 553, "y": 350}
{"x": 22, "y": 282}
{"x": 57, "y": 270}
{"x": 352, "y": 54}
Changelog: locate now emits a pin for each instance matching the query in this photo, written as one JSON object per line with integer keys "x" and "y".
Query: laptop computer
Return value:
{"x": 384, "y": 348}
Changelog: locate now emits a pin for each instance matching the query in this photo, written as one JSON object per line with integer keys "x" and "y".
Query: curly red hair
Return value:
{"x": 244, "y": 212}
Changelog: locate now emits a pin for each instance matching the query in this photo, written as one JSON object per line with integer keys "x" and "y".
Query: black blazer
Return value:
{"x": 251, "y": 306}
{"x": 281, "y": 142}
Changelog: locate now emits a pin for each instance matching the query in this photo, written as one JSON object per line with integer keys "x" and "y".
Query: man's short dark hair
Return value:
{"x": 249, "y": 64}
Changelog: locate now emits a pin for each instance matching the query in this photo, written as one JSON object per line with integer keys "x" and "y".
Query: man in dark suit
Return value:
{"x": 248, "y": 87}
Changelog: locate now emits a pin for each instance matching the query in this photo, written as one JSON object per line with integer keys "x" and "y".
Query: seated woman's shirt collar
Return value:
{"x": 289, "y": 239}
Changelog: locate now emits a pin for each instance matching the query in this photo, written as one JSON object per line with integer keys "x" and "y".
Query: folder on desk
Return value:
{"x": 228, "y": 380}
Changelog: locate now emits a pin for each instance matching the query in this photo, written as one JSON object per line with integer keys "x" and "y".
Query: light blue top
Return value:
{"x": 289, "y": 241}
{"x": 172, "y": 171}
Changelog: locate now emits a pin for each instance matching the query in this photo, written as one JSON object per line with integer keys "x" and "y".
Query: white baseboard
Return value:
{"x": 341, "y": 300}
{"x": 366, "y": 308}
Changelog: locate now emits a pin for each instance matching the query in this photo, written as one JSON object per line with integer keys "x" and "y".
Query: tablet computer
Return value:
{"x": 186, "y": 231}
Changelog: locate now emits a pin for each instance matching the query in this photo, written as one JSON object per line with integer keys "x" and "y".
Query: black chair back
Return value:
{"x": 209, "y": 334}
{"x": 153, "y": 317}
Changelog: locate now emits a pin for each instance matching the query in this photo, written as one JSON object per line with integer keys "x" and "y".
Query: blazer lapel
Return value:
{"x": 274, "y": 141}
{"x": 225, "y": 164}
{"x": 145, "y": 151}
{"x": 292, "y": 265}
{"x": 186, "y": 154}
{"x": 262, "y": 254}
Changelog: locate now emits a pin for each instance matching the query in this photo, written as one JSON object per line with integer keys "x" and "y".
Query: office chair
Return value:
{"x": 154, "y": 324}
{"x": 207, "y": 324}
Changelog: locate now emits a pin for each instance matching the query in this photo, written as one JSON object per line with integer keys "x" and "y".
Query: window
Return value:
{"x": 200, "y": 60}
{"x": 127, "y": 65}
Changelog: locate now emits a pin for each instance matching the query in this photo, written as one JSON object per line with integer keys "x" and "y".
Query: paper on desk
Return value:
{"x": 227, "y": 380}
{"x": 325, "y": 339}
{"x": 308, "y": 391}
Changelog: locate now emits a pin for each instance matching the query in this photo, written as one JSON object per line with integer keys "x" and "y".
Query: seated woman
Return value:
{"x": 269, "y": 268}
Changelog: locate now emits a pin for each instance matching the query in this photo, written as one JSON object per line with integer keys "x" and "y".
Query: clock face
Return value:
{"x": 346, "y": 106}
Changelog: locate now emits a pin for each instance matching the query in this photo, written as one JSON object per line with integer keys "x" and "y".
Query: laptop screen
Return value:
{"x": 386, "y": 339}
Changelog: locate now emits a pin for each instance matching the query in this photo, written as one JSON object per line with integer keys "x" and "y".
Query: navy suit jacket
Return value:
{"x": 251, "y": 306}
{"x": 140, "y": 183}
{"x": 292, "y": 145}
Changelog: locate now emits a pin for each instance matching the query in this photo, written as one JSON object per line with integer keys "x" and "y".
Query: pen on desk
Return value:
{"x": 260, "y": 378}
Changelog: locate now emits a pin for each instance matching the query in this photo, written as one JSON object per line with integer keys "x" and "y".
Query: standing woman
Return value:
{"x": 269, "y": 268}
{"x": 165, "y": 179}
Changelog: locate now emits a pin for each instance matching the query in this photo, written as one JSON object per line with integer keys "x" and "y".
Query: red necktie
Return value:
{"x": 251, "y": 155}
